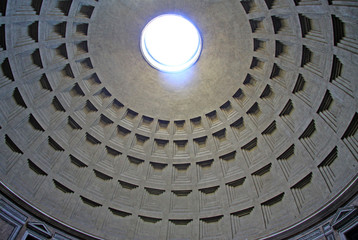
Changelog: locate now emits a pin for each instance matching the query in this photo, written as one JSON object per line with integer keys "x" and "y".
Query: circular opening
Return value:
{"x": 170, "y": 43}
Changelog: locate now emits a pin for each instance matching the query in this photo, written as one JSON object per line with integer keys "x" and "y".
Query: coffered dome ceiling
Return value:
{"x": 255, "y": 140}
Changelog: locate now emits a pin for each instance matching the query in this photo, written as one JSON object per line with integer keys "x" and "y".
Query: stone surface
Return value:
{"x": 261, "y": 134}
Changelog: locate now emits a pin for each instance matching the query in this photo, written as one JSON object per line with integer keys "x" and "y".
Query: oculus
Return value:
{"x": 170, "y": 43}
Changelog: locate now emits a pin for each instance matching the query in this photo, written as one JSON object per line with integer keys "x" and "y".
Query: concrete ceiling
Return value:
{"x": 255, "y": 140}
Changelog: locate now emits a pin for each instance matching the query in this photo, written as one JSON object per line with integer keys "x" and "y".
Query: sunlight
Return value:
{"x": 170, "y": 43}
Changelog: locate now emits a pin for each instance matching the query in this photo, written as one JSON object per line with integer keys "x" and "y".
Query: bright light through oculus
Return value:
{"x": 170, "y": 43}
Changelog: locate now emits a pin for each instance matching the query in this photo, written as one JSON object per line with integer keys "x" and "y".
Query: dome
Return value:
{"x": 256, "y": 140}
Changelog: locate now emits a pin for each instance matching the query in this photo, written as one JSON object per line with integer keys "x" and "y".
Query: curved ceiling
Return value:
{"x": 227, "y": 52}
{"x": 257, "y": 136}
